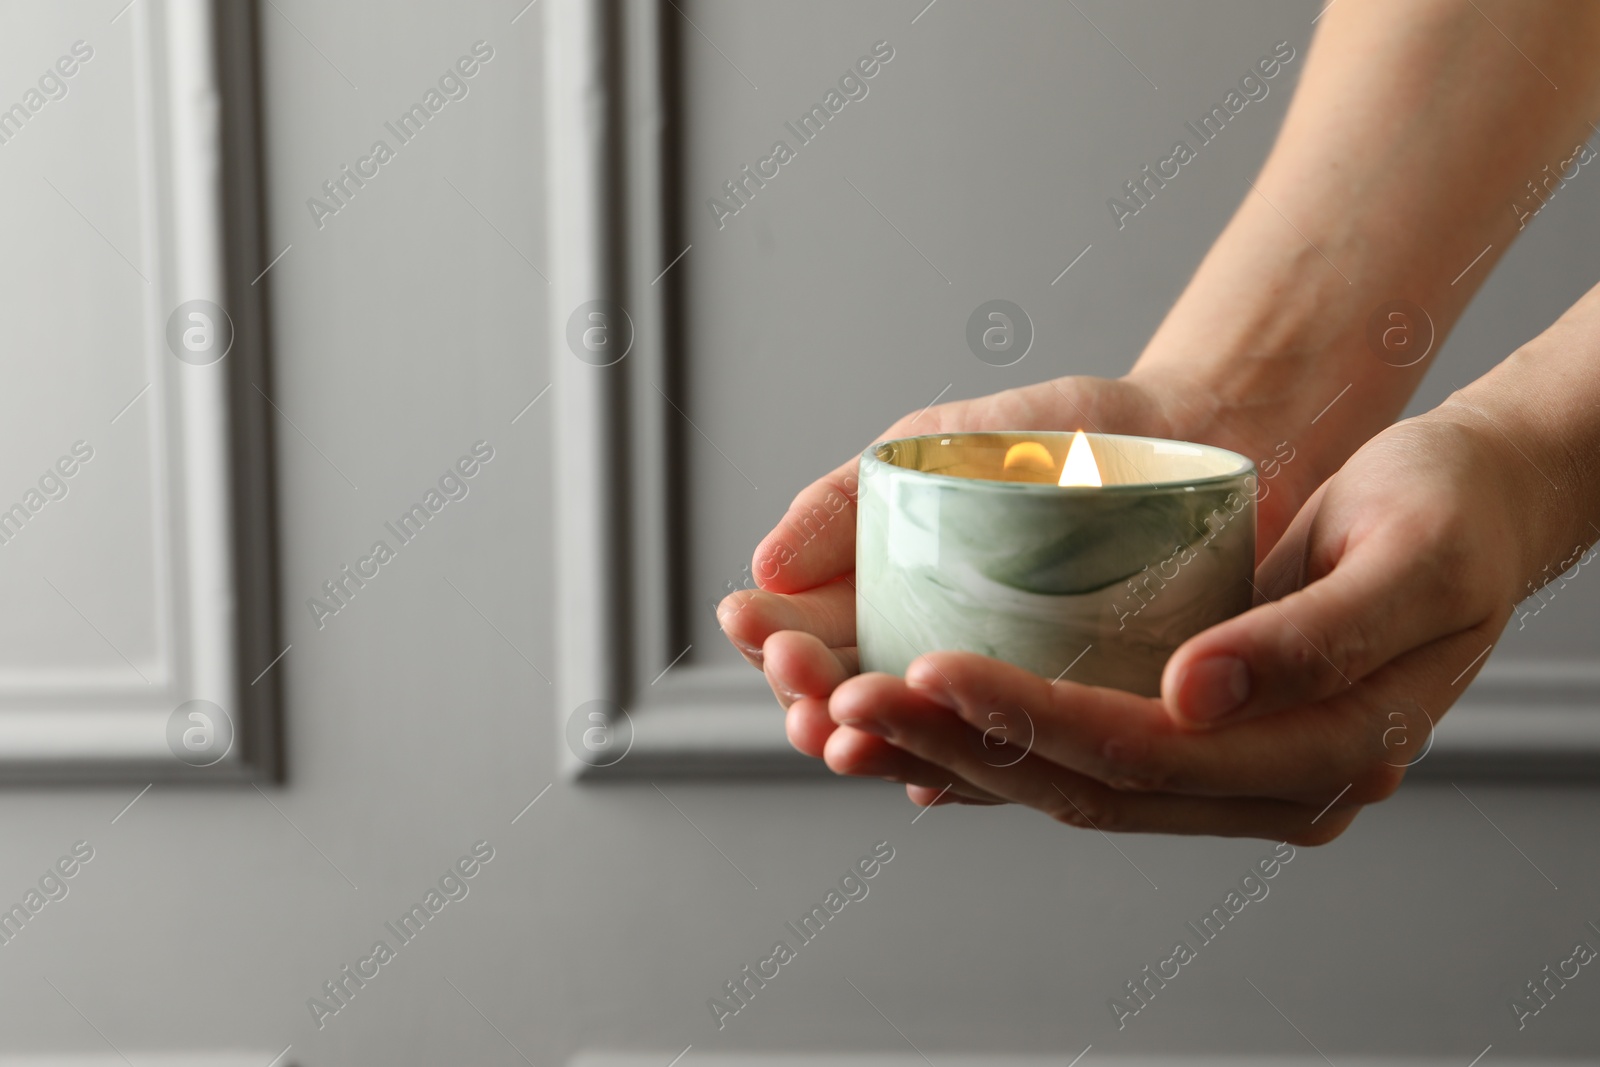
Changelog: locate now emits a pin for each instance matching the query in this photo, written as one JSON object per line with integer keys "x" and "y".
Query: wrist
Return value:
{"x": 1272, "y": 371}
{"x": 1542, "y": 441}
{"x": 1268, "y": 344}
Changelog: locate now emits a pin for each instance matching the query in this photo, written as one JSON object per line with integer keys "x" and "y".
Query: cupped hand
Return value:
{"x": 1378, "y": 606}
{"x": 799, "y": 626}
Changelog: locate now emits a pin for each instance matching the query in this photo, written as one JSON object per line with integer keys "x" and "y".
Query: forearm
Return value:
{"x": 1414, "y": 131}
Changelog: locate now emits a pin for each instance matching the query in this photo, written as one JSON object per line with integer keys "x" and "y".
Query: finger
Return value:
{"x": 886, "y": 706}
{"x": 1381, "y": 600}
{"x": 808, "y": 727}
{"x": 927, "y": 797}
{"x": 816, "y": 540}
{"x": 1355, "y": 746}
{"x": 1129, "y": 742}
{"x": 750, "y": 616}
{"x": 799, "y": 665}
{"x": 859, "y": 755}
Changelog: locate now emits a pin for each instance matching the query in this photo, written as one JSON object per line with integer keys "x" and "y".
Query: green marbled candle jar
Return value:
{"x": 957, "y": 549}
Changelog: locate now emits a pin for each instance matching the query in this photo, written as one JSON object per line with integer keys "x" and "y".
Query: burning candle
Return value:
{"x": 1089, "y": 555}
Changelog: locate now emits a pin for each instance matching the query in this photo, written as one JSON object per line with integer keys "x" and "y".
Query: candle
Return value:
{"x": 1093, "y": 555}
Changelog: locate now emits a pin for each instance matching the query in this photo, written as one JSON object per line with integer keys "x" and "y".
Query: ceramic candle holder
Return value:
{"x": 968, "y": 542}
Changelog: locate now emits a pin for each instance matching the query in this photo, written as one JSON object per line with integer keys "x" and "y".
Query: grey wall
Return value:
{"x": 413, "y": 325}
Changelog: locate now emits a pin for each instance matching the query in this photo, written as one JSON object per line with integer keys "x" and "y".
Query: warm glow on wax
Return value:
{"x": 1030, "y": 456}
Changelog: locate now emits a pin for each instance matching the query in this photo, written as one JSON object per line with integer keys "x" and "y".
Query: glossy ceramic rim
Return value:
{"x": 1246, "y": 467}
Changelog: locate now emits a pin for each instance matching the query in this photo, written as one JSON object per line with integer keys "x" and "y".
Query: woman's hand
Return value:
{"x": 1269, "y": 342}
{"x": 1381, "y": 601}
{"x": 799, "y": 627}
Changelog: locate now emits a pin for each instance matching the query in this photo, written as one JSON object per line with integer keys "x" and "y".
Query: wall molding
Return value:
{"x": 196, "y": 103}
{"x": 612, "y": 99}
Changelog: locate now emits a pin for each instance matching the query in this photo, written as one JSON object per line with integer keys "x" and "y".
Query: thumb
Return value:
{"x": 1381, "y": 599}
{"x": 815, "y": 542}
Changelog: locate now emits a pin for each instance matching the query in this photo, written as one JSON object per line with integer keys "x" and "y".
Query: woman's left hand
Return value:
{"x": 1375, "y": 611}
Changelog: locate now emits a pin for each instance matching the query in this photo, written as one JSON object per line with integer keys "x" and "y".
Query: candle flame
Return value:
{"x": 1080, "y": 467}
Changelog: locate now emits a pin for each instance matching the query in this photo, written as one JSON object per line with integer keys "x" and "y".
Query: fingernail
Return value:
{"x": 785, "y": 694}
{"x": 729, "y": 607}
{"x": 1214, "y": 687}
{"x": 750, "y": 652}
